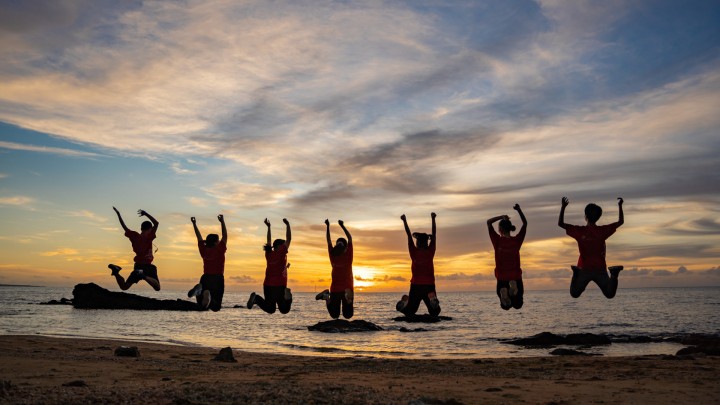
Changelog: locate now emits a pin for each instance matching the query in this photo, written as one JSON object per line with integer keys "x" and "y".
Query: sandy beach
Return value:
{"x": 36, "y": 369}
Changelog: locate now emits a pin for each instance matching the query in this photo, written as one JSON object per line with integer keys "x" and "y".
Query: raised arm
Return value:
{"x": 269, "y": 234}
{"x": 150, "y": 217}
{"x": 561, "y": 220}
{"x": 407, "y": 228}
{"x": 492, "y": 220}
{"x": 621, "y": 216}
{"x": 197, "y": 231}
{"x": 327, "y": 234}
{"x": 347, "y": 234}
{"x": 122, "y": 223}
{"x": 517, "y": 208}
{"x": 221, "y": 218}
{"x": 434, "y": 228}
{"x": 288, "y": 233}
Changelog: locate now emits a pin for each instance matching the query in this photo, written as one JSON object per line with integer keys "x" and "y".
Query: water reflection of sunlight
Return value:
{"x": 364, "y": 276}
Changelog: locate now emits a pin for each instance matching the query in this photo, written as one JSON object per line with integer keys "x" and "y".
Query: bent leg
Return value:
{"x": 154, "y": 283}
{"x": 608, "y": 285}
{"x": 282, "y": 303}
{"x": 498, "y": 290}
{"x": 433, "y": 307}
{"x": 579, "y": 282}
{"x": 333, "y": 305}
{"x": 124, "y": 285}
{"x": 415, "y": 296}
{"x": 517, "y": 300}
{"x": 347, "y": 307}
{"x": 269, "y": 303}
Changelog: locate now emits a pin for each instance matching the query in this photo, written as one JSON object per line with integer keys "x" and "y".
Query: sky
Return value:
{"x": 360, "y": 111}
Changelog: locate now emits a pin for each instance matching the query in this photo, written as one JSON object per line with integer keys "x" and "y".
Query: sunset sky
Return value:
{"x": 360, "y": 111}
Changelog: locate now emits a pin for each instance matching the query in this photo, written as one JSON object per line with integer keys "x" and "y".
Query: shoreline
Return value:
{"x": 53, "y": 370}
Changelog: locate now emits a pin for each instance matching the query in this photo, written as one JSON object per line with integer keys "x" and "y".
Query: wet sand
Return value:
{"x": 36, "y": 369}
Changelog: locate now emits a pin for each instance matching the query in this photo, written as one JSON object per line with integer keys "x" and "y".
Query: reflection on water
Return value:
{"x": 477, "y": 327}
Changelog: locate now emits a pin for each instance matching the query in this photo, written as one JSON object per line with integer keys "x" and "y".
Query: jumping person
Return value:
{"x": 507, "y": 259}
{"x": 422, "y": 284}
{"x": 211, "y": 288}
{"x": 275, "y": 285}
{"x": 341, "y": 288}
{"x": 591, "y": 238}
{"x": 143, "y": 248}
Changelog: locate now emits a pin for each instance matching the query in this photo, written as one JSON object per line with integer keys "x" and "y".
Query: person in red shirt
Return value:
{"x": 143, "y": 248}
{"x": 211, "y": 288}
{"x": 591, "y": 238}
{"x": 341, "y": 288}
{"x": 277, "y": 295}
{"x": 422, "y": 284}
{"x": 507, "y": 259}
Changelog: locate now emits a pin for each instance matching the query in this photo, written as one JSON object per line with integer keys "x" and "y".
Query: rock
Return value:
{"x": 570, "y": 352}
{"x": 225, "y": 355}
{"x": 547, "y": 339}
{"x": 92, "y": 296}
{"x": 344, "y": 326}
{"x": 698, "y": 339}
{"x": 404, "y": 329}
{"x": 127, "y": 351}
{"x": 424, "y": 318}
{"x": 63, "y": 301}
{"x": 238, "y": 306}
{"x": 710, "y": 350}
{"x": 75, "y": 383}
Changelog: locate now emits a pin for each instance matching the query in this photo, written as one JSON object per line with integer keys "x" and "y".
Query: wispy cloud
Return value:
{"x": 47, "y": 149}
{"x": 16, "y": 200}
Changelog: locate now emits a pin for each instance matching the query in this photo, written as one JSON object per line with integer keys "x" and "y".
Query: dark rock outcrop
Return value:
{"x": 571, "y": 352}
{"x": 92, "y": 296}
{"x": 63, "y": 301}
{"x": 424, "y": 318}
{"x": 547, "y": 339}
{"x": 344, "y": 326}
{"x": 225, "y": 355}
{"x": 127, "y": 351}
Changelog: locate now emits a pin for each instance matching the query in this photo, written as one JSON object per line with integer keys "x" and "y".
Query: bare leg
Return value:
{"x": 153, "y": 283}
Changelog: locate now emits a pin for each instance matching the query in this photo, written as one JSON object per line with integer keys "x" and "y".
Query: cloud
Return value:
{"x": 16, "y": 200}
{"x": 243, "y": 279}
{"x": 465, "y": 277}
{"x": 61, "y": 252}
{"x": 178, "y": 169}
{"x": 47, "y": 149}
{"x": 384, "y": 279}
{"x": 87, "y": 215}
{"x": 197, "y": 202}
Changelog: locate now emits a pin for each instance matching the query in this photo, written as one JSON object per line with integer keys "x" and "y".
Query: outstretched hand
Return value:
{"x": 403, "y": 217}
{"x": 116, "y": 210}
{"x": 327, "y": 222}
{"x": 221, "y": 218}
{"x": 620, "y": 201}
{"x": 142, "y": 213}
{"x": 267, "y": 222}
{"x": 505, "y": 217}
{"x": 285, "y": 221}
{"x": 192, "y": 219}
{"x": 565, "y": 202}
{"x": 341, "y": 222}
{"x": 516, "y": 207}
{"x": 433, "y": 215}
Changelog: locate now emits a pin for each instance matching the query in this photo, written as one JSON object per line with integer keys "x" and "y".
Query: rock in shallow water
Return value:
{"x": 344, "y": 326}
{"x": 571, "y": 352}
{"x": 547, "y": 339}
{"x": 92, "y": 296}
{"x": 424, "y": 318}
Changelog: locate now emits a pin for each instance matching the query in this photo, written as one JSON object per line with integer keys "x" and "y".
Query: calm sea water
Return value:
{"x": 476, "y": 330}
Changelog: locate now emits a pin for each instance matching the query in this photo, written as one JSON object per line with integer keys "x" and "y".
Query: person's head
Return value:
{"x": 276, "y": 244}
{"x": 593, "y": 212}
{"x": 340, "y": 247}
{"x": 145, "y": 226}
{"x": 506, "y": 227}
{"x": 422, "y": 240}
{"x": 211, "y": 240}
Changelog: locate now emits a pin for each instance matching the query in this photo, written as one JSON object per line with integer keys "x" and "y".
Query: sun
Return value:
{"x": 364, "y": 276}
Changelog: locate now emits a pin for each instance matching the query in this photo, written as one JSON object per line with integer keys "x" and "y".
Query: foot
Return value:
{"x": 615, "y": 270}
{"x": 195, "y": 291}
{"x": 402, "y": 303}
{"x": 114, "y": 269}
{"x": 513, "y": 288}
{"x": 434, "y": 302}
{"x": 206, "y": 299}
{"x": 324, "y": 295}
{"x": 288, "y": 294}
{"x": 505, "y": 298}
{"x": 349, "y": 295}
{"x": 251, "y": 301}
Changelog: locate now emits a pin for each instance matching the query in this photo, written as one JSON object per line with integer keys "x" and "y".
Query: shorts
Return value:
{"x": 149, "y": 270}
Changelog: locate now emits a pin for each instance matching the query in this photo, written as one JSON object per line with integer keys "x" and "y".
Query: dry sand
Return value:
{"x": 36, "y": 369}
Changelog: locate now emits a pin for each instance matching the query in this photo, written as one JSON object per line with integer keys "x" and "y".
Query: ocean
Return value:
{"x": 477, "y": 329}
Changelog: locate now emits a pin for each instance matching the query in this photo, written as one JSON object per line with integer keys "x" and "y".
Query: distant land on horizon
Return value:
{"x": 20, "y": 285}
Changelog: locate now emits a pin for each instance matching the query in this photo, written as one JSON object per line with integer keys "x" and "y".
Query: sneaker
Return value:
{"x": 115, "y": 269}
{"x": 206, "y": 299}
{"x": 615, "y": 270}
{"x": 251, "y": 301}
{"x": 349, "y": 295}
{"x": 288, "y": 294}
{"x": 402, "y": 303}
{"x": 505, "y": 298}
{"x": 195, "y": 291}
{"x": 324, "y": 295}
{"x": 513, "y": 288}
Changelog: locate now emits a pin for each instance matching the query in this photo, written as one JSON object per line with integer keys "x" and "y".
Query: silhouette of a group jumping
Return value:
{"x": 339, "y": 298}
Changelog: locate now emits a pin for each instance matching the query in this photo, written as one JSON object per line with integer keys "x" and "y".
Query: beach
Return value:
{"x": 37, "y": 369}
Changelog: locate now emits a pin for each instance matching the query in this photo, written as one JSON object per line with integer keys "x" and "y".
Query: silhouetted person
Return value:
{"x": 422, "y": 284}
{"x": 341, "y": 288}
{"x": 143, "y": 248}
{"x": 507, "y": 259}
{"x": 275, "y": 285}
{"x": 591, "y": 238}
{"x": 209, "y": 292}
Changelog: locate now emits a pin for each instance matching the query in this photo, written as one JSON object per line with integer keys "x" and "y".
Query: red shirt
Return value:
{"x": 342, "y": 275}
{"x": 142, "y": 245}
{"x": 276, "y": 270}
{"x": 213, "y": 257}
{"x": 423, "y": 270}
{"x": 507, "y": 254}
{"x": 591, "y": 243}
